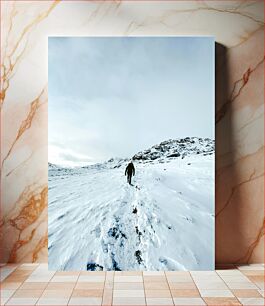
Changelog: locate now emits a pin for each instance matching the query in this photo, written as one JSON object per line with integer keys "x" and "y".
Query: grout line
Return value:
{"x": 195, "y": 284}
{"x": 72, "y": 291}
{"x": 70, "y": 296}
{"x": 114, "y": 274}
{"x": 11, "y": 289}
{"x": 203, "y": 298}
{"x": 112, "y": 290}
{"x": 15, "y": 290}
{"x": 231, "y": 289}
{"x": 105, "y": 273}
{"x": 169, "y": 289}
{"x": 144, "y": 288}
{"x": 198, "y": 288}
{"x": 73, "y": 288}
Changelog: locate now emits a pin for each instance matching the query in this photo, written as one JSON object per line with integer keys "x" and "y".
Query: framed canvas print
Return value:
{"x": 131, "y": 153}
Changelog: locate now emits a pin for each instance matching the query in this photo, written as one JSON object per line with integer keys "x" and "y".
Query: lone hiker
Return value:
{"x": 130, "y": 170}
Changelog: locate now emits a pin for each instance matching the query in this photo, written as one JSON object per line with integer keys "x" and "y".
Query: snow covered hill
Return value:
{"x": 164, "y": 222}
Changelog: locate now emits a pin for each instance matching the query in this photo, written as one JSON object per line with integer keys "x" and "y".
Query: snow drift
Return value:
{"x": 164, "y": 222}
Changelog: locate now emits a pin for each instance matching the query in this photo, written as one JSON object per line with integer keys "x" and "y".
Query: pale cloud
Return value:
{"x": 112, "y": 97}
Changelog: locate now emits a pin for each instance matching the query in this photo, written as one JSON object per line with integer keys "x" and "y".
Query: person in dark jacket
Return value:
{"x": 130, "y": 170}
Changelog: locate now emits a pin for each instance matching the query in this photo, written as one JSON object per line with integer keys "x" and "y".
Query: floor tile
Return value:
{"x": 42, "y": 272}
{"x": 110, "y": 284}
{"x": 155, "y": 278}
{"x": 185, "y": 293}
{"x": 20, "y": 271}
{"x": 179, "y": 279}
{"x": 128, "y": 293}
{"x": 153, "y": 273}
{"x": 251, "y": 267}
{"x": 128, "y": 301}
{"x": 5, "y": 271}
{"x": 235, "y": 278}
{"x": 7, "y": 293}
{"x": 211, "y": 285}
{"x": 203, "y": 273}
{"x": 188, "y": 301}
{"x": 89, "y": 278}
{"x": 157, "y": 293}
{"x": 109, "y": 281}
{"x": 44, "y": 266}
{"x": 128, "y": 279}
{"x": 216, "y": 293}
{"x": 110, "y": 275}
{"x": 89, "y": 285}
{"x": 129, "y": 286}
{"x": 128, "y": 273}
{"x": 177, "y": 273}
{"x": 261, "y": 292}
{"x": 246, "y": 293}
{"x": 232, "y": 272}
{"x": 260, "y": 285}
{"x": 107, "y": 298}
{"x": 67, "y": 273}
{"x": 56, "y": 294}
{"x": 87, "y": 293}
{"x": 10, "y": 286}
{"x": 16, "y": 278}
{"x": 28, "y": 284}
{"x": 61, "y": 286}
{"x": 156, "y": 285}
{"x": 28, "y": 266}
{"x": 3, "y": 300}
{"x": 85, "y": 301}
{"x": 159, "y": 301}
{"x": 29, "y": 293}
{"x": 256, "y": 278}
{"x": 53, "y": 301}
{"x": 182, "y": 285}
{"x": 22, "y": 301}
{"x": 217, "y": 301}
{"x": 253, "y": 272}
{"x": 38, "y": 279}
{"x": 211, "y": 278}
{"x": 32, "y": 286}
{"x": 251, "y": 301}
{"x": 96, "y": 273}
{"x": 245, "y": 285}
{"x": 64, "y": 279}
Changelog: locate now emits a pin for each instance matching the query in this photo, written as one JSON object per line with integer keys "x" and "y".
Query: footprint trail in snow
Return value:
{"x": 165, "y": 221}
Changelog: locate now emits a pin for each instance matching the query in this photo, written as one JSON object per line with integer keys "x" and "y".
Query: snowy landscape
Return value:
{"x": 165, "y": 221}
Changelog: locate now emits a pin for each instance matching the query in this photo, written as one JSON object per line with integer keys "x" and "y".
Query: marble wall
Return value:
{"x": 238, "y": 28}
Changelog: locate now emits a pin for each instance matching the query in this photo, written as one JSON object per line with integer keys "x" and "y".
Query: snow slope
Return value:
{"x": 164, "y": 222}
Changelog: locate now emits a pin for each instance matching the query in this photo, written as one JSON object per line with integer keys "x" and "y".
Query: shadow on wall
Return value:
{"x": 224, "y": 143}
{"x": 222, "y": 138}
{"x": 229, "y": 241}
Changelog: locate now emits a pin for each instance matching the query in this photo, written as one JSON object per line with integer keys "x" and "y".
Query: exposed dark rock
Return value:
{"x": 91, "y": 266}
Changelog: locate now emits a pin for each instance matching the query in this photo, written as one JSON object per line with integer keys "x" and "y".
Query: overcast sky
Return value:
{"x": 112, "y": 97}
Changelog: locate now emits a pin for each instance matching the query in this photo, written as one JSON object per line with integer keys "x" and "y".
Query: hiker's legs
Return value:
{"x": 130, "y": 179}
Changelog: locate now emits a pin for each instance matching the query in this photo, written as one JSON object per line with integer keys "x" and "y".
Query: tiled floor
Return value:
{"x": 33, "y": 284}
